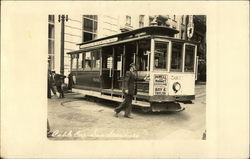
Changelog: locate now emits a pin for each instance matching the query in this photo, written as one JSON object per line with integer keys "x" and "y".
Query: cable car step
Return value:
{"x": 108, "y": 97}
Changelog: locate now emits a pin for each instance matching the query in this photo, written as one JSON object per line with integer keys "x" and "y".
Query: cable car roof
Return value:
{"x": 137, "y": 34}
{"x": 150, "y": 30}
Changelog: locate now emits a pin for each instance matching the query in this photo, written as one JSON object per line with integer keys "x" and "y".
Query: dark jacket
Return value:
{"x": 51, "y": 80}
{"x": 130, "y": 83}
{"x": 59, "y": 79}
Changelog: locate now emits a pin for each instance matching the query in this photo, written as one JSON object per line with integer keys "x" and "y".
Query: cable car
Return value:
{"x": 166, "y": 68}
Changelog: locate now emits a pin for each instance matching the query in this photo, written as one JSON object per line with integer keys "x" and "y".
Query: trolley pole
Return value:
{"x": 62, "y": 18}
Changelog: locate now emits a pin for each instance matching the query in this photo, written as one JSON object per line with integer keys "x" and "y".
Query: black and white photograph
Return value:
{"x": 126, "y": 77}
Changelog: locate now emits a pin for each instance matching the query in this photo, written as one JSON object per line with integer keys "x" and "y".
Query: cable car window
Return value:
{"x": 176, "y": 59}
{"x": 161, "y": 55}
{"x": 144, "y": 55}
{"x": 95, "y": 59}
{"x": 189, "y": 58}
{"x": 91, "y": 60}
{"x": 110, "y": 62}
{"x": 106, "y": 57}
{"x": 87, "y": 61}
{"x": 74, "y": 61}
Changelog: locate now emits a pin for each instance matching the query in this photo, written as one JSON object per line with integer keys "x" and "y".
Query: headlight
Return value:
{"x": 176, "y": 86}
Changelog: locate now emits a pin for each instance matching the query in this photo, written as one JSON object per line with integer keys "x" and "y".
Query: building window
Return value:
{"x": 89, "y": 27}
{"x": 91, "y": 16}
{"x": 51, "y": 47}
{"x": 51, "y": 18}
{"x": 141, "y": 21}
{"x": 51, "y": 31}
{"x": 128, "y": 20}
{"x": 51, "y": 42}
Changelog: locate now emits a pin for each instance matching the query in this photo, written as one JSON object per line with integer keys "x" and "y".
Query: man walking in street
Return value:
{"x": 129, "y": 90}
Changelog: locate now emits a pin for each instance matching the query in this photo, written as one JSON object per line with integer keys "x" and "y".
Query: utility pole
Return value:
{"x": 62, "y": 18}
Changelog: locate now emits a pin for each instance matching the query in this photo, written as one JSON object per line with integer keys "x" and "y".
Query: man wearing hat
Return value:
{"x": 129, "y": 90}
{"x": 59, "y": 81}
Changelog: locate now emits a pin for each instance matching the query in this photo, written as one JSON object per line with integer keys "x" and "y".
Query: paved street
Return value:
{"x": 76, "y": 117}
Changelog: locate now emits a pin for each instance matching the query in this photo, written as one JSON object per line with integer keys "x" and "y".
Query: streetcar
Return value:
{"x": 166, "y": 68}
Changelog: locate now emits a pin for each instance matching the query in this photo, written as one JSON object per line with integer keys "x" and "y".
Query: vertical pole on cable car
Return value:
{"x": 136, "y": 59}
{"x": 101, "y": 72}
{"x": 137, "y": 53}
{"x": 123, "y": 69}
{"x": 77, "y": 55}
{"x": 71, "y": 60}
{"x": 113, "y": 70}
{"x": 77, "y": 61}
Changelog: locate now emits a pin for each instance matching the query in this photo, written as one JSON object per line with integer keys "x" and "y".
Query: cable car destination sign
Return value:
{"x": 160, "y": 84}
{"x": 96, "y": 43}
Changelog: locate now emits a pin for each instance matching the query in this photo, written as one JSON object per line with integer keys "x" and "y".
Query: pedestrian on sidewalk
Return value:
{"x": 49, "y": 132}
{"x": 48, "y": 85}
{"x": 129, "y": 90}
{"x": 51, "y": 83}
{"x": 71, "y": 81}
{"x": 59, "y": 81}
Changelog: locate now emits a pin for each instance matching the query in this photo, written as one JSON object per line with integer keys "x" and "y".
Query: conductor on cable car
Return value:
{"x": 129, "y": 90}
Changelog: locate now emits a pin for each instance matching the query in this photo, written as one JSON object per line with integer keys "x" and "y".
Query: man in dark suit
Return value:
{"x": 129, "y": 90}
{"x": 59, "y": 81}
{"x": 51, "y": 83}
{"x": 71, "y": 81}
{"x": 48, "y": 85}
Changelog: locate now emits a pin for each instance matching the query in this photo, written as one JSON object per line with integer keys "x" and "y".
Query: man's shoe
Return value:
{"x": 49, "y": 134}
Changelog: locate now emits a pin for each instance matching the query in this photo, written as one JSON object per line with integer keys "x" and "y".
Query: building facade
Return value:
{"x": 82, "y": 28}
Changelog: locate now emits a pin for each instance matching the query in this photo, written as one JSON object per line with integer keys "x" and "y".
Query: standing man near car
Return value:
{"x": 51, "y": 83}
{"x": 59, "y": 81}
{"x": 71, "y": 81}
{"x": 129, "y": 90}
